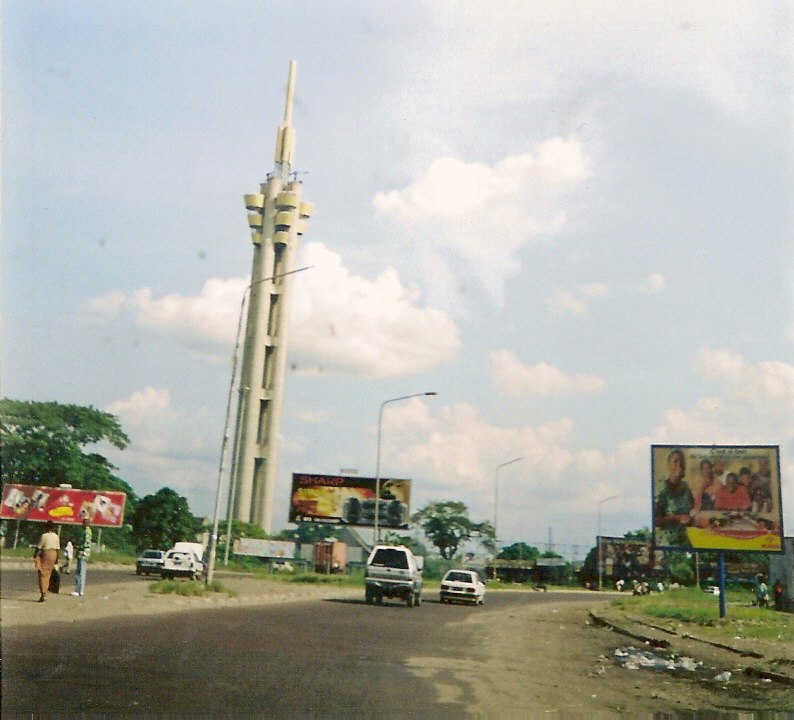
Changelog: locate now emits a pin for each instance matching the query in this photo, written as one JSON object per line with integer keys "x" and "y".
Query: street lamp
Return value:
{"x": 213, "y": 541}
{"x": 496, "y": 507}
{"x": 600, "y": 558}
{"x": 377, "y": 460}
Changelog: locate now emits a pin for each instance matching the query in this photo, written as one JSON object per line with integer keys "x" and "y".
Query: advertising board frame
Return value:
{"x": 717, "y": 498}
{"x": 64, "y": 506}
{"x": 349, "y": 500}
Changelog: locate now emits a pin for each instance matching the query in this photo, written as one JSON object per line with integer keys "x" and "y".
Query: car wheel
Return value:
{"x": 379, "y": 599}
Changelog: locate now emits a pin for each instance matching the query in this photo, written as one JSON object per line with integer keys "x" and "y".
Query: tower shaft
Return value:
{"x": 277, "y": 217}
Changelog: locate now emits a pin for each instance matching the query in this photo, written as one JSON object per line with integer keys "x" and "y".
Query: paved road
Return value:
{"x": 307, "y": 659}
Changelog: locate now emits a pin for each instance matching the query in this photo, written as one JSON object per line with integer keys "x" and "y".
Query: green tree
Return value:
{"x": 162, "y": 519}
{"x": 447, "y": 525}
{"x": 43, "y": 444}
{"x": 46, "y": 443}
{"x": 307, "y": 533}
{"x": 519, "y": 551}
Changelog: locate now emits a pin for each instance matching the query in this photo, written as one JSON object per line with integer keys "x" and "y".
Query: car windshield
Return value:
{"x": 152, "y": 554}
{"x": 389, "y": 557}
{"x": 463, "y": 577}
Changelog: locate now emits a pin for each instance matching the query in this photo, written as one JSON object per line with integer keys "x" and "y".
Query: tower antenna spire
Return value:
{"x": 285, "y": 141}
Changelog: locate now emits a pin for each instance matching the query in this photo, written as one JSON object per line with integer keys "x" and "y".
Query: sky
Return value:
{"x": 573, "y": 222}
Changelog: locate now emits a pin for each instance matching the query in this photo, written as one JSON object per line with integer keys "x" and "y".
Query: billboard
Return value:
{"x": 629, "y": 559}
{"x": 265, "y": 548}
{"x": 349, "y": 500}
{"x": 62, "y": 505}
{"x": 717, "y": 498}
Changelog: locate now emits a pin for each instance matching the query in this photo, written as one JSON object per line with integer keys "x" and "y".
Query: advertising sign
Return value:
{"x": 62, "y": 505}
{"x": 349, "y": 500}
{"x": 265, "y": 548}
{"x": 717, "y": 498}
{"x": 628, "y": 559}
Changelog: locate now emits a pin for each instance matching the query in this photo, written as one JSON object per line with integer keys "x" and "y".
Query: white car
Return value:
{"x": 462, "y": 586}
{"x": 179, "y": 563}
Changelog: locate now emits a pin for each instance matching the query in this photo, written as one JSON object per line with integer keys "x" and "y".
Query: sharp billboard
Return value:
{"x": 348, "y": 500}
{"x": 717, "y": 497}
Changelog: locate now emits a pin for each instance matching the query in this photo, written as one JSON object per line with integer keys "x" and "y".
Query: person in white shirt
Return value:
{"x": 46, "y": 557}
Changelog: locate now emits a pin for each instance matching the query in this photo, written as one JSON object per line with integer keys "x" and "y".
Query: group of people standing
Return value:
{"x": 47, "y": 554}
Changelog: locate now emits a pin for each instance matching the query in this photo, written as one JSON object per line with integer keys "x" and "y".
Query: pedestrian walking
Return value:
{"x": 45, "y": 557}
{"x": 761, "y": 592}
{"x": 68, "y": 556}
{"x": 83, "y": 553}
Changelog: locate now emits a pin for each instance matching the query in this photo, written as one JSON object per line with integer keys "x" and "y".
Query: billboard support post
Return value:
{"x": 600, "y": 559}
{"x": 721, "y": 571}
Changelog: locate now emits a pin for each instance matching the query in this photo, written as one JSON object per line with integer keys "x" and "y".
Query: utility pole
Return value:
{"x": 277, "y": 217}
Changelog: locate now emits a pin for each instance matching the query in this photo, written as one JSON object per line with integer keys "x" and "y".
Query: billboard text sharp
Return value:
{"x": 349, "y": 500}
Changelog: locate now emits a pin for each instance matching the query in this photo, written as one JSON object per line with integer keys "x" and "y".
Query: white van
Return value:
{"x": 184, "y": 560}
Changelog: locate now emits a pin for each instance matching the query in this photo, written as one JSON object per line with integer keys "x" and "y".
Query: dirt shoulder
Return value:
{"x": 552, "y": 658}
{"x": 135, "y": 598}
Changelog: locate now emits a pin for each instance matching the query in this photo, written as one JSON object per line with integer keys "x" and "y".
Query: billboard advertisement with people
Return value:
{"x": 62, "y": 505}
{"x": 717, "y": 498}
{"x": 349, "y": 500}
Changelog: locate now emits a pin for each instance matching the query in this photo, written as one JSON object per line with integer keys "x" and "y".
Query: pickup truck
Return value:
{"x": 393, "y": 571}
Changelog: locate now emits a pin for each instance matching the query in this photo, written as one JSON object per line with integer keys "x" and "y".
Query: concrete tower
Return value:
{"x": 277, "y": 218}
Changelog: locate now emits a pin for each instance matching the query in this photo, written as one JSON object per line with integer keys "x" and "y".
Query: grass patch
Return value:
{"x": 189, "y": 588}
{"x": 355, "y": 579}
{"x": 692, "y": 607}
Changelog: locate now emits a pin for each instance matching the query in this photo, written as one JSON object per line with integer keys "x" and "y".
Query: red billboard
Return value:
{"x": 349, "y": 500}
{"x": 62, "y": 505}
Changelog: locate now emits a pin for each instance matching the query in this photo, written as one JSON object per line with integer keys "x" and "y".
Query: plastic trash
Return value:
{"x": 723, "y": 676}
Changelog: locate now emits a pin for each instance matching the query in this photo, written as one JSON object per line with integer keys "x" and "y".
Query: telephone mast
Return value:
{"x": 277, "y": 217}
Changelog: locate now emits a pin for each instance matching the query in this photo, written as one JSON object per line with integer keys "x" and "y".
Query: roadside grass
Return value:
{"x": 189, "y": 588}
{"x": 699, "y": 611}
{"x": 97, "y": 556}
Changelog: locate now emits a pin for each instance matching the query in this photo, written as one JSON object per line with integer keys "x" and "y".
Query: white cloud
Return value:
{"x": 565, "y": 301}
{"x": 313, "y": 417}
{"x": 755, "y": 406}
{"x": 514, "y": 380}
{"x": 653, "y": 284}
{"x": 457, "y": 205}
{"x": 341, "y": 323}
{"x": 348, "y": 324}
{"x": 169, "y": 447}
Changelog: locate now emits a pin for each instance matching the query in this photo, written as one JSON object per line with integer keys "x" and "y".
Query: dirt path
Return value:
{"x": 551, "y": 659}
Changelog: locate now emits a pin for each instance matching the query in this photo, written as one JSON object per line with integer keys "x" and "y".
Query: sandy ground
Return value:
{"x": 552, "y": 659}
{"x": 134, "y": 598}
{"x": 546, "y": 658}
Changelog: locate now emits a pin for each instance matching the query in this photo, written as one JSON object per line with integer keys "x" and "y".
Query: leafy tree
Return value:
{"x": 162, "y": 519}
{"x": 307, "y": 533}
{"x": 519, "y": 551}
{"x": 44, "y": 443}
{"x": 644, "y": 534}
{"x": 447, "y": 525}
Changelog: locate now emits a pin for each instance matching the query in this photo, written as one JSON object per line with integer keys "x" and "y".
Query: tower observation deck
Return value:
{"x": 277, "y": 217}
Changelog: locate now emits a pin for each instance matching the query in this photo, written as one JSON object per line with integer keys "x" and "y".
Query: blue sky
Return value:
{"x": 573, "y": 223}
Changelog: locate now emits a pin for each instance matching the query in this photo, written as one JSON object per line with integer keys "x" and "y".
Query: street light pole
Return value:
{"x": 496, "y": 507}
{"x": 600, "y": 558}
{"x": 377, "y": 459}
{"x": 213, "y": 541}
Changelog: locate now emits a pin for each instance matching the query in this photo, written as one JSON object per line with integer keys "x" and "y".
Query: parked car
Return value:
{"x": 462, "y": 586}
{"x": 150, "y": 561}
{"x": 182, "y": 563}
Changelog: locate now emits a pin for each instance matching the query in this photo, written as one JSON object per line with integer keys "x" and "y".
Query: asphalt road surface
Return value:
{"x": 328, "y": 658}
